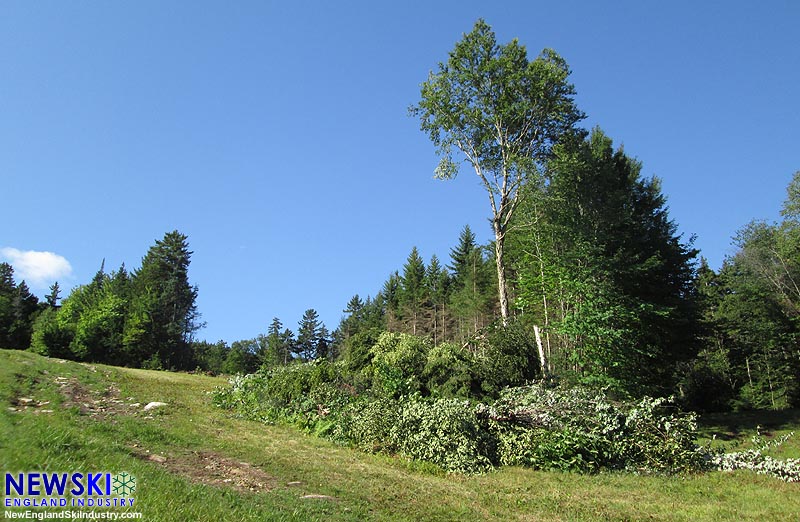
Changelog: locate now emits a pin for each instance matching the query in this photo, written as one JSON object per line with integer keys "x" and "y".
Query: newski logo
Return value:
{"x": 42, "y": 489}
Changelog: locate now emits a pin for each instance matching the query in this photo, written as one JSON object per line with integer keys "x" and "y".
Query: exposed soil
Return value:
{"x": 91, "y": 403}
{"x": 212, "y": 469}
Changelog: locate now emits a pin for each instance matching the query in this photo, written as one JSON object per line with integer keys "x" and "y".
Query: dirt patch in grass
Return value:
{"x": 91, "y": 403}
{"x": 212, "y": 469}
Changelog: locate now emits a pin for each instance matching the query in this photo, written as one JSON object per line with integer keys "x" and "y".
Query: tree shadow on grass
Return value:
{"x": 730, "y": 426}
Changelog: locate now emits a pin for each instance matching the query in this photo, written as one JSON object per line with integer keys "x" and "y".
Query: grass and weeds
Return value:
{"x": 193, "y": 461}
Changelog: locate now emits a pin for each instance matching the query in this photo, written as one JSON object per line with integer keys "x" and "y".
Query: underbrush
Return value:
{"x": 539, "y": 426}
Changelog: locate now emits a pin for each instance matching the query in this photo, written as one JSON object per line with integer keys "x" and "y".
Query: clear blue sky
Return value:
{"x": 276, "y": 135}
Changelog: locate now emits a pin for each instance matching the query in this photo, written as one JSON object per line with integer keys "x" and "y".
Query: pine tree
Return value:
{"x": 605, "y": 270}
{"x": 460, "y": 256}
{"x": 324, "y": 345}
{"x": 413, "y": 295}
{"x": 437, "y": 283}
{"x": 8, "y": 291}
{"x": 164, "y": 308}
{"x": 309, "y": 335}
{"x": 350, "y": 322}
{"x": 25, "y": 306}
{"x": 280, "y": 344}
{"x": 52, "y": 298}
{"x": 391, "y": 299}
{"x": 472, "y": 299}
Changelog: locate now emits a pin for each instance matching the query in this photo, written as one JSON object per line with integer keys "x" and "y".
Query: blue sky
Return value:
{"x": 276, "y": 135}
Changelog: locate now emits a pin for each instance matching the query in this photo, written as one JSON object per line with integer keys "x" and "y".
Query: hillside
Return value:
{"x": 193, "y": 461}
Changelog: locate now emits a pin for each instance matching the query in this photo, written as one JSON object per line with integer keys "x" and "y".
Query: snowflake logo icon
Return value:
{"x": 123, "y": 484}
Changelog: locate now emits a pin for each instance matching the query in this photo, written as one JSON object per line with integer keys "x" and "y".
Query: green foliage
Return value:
{"x": 398, "y": 361}
{"x": 506, "y": 356}
{"x": 367, "y": 424}
{"x": 582, "y": 430}
{"x": 751, "y": 310}
{"x": 445, "y": 432}
{"x": 166, "y": 310}
{"x": 18, "y": 310}
{"x": 301, "y": 393}
{"x": 602, "y": 268}
{"x": 536, "y": 426}
{"x": 312, "y": 337}
{"x": 413, "y": 293}
{"x": 450, "y": 371}
{"x": 210, "y": 357}
{"x": 147, "y": 319}
{"x": 503, "y": 114}
{"x": 51, "y": 337}
{"x": 473, "y": 297}
{"x": 241, "y": 358}
{"x": 278, "y": 346}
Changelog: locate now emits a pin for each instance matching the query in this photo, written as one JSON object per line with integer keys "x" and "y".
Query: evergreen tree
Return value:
{"x": 163, "y": 304}
{"x": 437, "y": 286}
{"x": 18, "y": 308}
{"x": 473, "y": 298}
{"x": 461, "y": 256}
{"x": 279, "y": 345}
{"x": 350, "y": 322}
{"x": 753, "y": 318}
{"x": 325, "y": 348}
{"x": 309, "y": 335}
{"x": 25, "y": 306}
{"x": 413, "y": 295}
{"x": 391, "y": 298}
{"x": 8, "y": 292}
{"x": 52, "y": 298}
{"x": 605, "y": 271}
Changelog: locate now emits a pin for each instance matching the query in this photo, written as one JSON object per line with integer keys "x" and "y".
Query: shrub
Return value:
{"x": 539, "y": 426}
{"x": 302, "y": 393}
{"x": 706, "y": 385}
{"x": 506, "y": 356}
{"x": 367, "y": 424}
{"x": 449, "y": 371}
{"x": 582, "y": 430}
{"x": 398, "y": 361}
{"x": 445, "y": 432}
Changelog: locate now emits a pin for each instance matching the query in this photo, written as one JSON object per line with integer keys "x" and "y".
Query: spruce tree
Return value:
{"x": 7, "y": 294}
{"x": 437, "y": 283}
{"x": 309, "y": 335}
{"x": 164, "y": 308}
{"x": 604, "y": 270}
{"x": 460, "y": 256}
{"x": 52, "y": 298}
{"x": 412, "y": 291}
{"x": 25, "y": 306}
{"x": 280, "y": 344}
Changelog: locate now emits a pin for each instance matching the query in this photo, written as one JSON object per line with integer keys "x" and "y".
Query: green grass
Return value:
{"x": 362, "y": 487}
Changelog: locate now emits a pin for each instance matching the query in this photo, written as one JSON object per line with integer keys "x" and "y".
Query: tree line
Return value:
{"x": 146, "y": 318}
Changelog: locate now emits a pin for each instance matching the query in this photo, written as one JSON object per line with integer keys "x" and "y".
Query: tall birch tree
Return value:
{"x": 491, "y": 107}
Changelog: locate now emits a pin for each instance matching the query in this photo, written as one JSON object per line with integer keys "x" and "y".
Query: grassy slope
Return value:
{"x": 363, "y": 487}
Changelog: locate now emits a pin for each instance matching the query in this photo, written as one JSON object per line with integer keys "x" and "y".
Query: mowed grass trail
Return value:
{"x": 193, "y": 461}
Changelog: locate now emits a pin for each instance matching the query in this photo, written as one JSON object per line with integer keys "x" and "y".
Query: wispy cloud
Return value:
{"x": 38, "y": 269}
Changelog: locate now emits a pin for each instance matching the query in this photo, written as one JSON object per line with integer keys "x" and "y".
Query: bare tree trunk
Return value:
{"x": 542, "y": 358}
{"x": 499, "y": 257}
